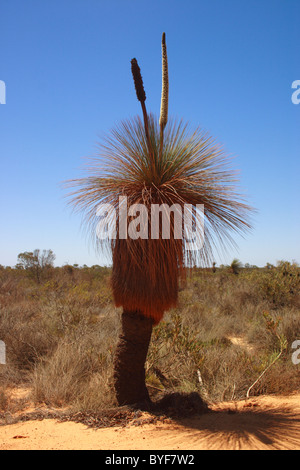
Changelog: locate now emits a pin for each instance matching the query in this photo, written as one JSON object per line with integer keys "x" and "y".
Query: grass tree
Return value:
{"x": 235, "y": 266}
{"x": 146, "y": 163}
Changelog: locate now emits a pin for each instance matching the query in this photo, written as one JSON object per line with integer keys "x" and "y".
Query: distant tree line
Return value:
{"x": 40, "y": 263}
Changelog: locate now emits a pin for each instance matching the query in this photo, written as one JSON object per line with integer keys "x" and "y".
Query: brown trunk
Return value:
{"x": 130, "y": 357}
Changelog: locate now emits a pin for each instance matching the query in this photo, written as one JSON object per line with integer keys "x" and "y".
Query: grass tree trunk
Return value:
{"x": 130, "y": 358}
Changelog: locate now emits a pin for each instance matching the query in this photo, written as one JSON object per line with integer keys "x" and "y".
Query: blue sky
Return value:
{"x": 66, "y": 67}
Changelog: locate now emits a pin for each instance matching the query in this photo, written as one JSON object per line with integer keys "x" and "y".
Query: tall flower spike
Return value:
{"x": 138, "y": 81}
{"x": 165, "y": 85}
{"x": 141, "y": 96}
{"x": 164, "y": 94}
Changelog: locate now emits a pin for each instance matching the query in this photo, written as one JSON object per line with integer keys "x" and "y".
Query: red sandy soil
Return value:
{"x": 262, "y": 423}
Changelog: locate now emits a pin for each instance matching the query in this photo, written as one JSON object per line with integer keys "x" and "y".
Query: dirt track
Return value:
{"x": 258, "y": 423}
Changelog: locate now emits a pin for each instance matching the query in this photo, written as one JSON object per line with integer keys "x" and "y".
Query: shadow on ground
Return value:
{"x": 258, "y": 423}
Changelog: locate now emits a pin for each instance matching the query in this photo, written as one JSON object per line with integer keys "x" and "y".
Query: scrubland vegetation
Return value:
{"x": 61, "y": 328}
